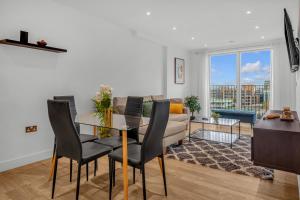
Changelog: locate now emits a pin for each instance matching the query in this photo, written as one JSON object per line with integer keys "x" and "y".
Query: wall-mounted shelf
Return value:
{"x": 32, "y": 46}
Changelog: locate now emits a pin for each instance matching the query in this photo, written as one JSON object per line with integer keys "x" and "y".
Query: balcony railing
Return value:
{"x": 250, "y": 98}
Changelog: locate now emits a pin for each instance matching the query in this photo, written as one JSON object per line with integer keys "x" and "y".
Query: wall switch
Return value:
{"x": 31, "y": 129}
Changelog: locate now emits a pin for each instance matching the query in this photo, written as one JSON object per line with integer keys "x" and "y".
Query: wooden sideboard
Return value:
{"x": 276, "y": 144}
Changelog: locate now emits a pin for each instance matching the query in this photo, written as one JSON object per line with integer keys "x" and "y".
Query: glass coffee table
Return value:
{"x": 217, "y": 136}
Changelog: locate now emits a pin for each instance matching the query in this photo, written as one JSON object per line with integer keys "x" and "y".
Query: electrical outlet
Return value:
{"x": 31, "y": 129}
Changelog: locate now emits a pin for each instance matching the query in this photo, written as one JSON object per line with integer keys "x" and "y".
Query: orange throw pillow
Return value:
{"x": 176, "y": 108}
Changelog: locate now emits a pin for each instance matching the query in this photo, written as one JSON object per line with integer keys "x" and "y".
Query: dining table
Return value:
{"x": 121, "y": 123}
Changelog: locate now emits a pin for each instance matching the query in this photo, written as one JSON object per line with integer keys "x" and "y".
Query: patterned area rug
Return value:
{"x": 220, "y": 156}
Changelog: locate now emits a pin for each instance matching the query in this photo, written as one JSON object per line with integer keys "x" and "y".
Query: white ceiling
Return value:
{"x": 211, "y": 22}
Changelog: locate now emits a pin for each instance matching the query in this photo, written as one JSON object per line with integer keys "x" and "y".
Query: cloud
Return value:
{"x": 266, "y": 69}
{"x": 247, "y": 80}
{"x": 261, "y": 77}
{"x": 251, "y": 67}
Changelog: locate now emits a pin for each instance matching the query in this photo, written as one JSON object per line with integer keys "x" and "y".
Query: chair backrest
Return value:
{"x": 67, "y": 139}
{"x": 71, "y": 100}
{"x": 153, "y": 141}
{"x": 134, "y": 106}
{"x": 73, "y": 110}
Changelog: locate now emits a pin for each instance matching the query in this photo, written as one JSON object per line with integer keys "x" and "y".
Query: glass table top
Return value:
{"x": 220, "y": 121}
{"x": 119, "y": 122}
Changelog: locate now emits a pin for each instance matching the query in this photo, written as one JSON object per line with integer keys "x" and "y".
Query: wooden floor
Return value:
{"x": 185, "y": 181}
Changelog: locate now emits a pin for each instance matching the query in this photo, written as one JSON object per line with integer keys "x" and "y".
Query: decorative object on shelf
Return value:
{"x": 287, "y": 114}
{"x": 193, "y": 103}
{"x": 102, "y": 102}
{"x": 41, "y": 43}
{"x": 272, "y": 116}
{"x": 215, "y": 116}
{"x": 179, "y": 71}
{"x": 24, "y": 37}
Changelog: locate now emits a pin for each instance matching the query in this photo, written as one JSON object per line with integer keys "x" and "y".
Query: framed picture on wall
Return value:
{"x": 179, "y": 71}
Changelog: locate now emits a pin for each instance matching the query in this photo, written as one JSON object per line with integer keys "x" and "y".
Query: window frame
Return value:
{"x": 239, "y": 52}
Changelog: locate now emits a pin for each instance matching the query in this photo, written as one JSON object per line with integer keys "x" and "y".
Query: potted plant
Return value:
{"x": 193, "y": 103}
{"x": 215, "y": 116}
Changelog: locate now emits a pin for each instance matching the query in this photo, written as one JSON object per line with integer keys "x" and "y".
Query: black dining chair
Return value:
{"x": 83, "y": 137}
{"x": 68, "y": 143}
{"x": 152, "y": 146}
{"x": 134, "y": 107}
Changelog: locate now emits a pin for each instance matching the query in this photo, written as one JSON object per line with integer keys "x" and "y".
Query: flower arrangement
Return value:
{"x": 103, "y": 99}
{"x": 102, "y": 102}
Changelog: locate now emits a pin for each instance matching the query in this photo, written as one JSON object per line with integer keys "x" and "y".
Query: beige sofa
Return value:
{"x": 176, "y": 127}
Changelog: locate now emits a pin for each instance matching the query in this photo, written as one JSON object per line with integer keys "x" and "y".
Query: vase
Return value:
{"x": 106, "y": 121}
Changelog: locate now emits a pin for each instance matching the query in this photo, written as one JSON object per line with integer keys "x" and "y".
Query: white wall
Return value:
{"x": 98, "y": 53}
{"x": 284, "y": 82}
{"x": 177, "y": 90}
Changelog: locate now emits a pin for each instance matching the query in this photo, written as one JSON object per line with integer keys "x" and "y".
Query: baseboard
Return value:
{"x": 24, "y": 160}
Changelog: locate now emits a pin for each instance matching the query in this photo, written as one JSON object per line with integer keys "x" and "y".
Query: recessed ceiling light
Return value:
{"x": 257, "y": 27}
{"x": 248, "y": 12}
{"x": 148, "y": 13}
{"x": 193, "y": 38}
{"x": 174, "y": 28}
{"x": 262, "y": 37}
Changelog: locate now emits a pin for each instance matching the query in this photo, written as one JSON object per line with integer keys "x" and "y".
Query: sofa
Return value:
{"x": 177, "y": 124}
{"x": 242, "y": 115}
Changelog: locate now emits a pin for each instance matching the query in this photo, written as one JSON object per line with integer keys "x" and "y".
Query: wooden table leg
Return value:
{"x": 52, "y": 167}
{"x": 160, "y": 164}
{"x": 95, "y": 130}
{"x": 125, "y": 164}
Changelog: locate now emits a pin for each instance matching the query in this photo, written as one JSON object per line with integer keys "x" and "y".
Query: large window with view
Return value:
{"x": 241, "y": 81}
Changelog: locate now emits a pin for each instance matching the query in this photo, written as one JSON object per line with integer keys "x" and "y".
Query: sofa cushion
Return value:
{"x": 119, "y": 104}
{"x": 147, "y": 98}
{"x": 172, "y": 128}
{"x": 178, "y": 117}
{"x": 157, "y": 97}
{"x": 119, "y": 109}
{"x": 176, "y": 108}
{"x": 147, "y": 108}
{"x": 176, "y": 100}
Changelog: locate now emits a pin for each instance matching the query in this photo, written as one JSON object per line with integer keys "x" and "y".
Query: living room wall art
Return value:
{"x": 179, "y": 71}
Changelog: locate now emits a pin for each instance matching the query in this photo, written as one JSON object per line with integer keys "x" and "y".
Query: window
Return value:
{"x": 241, "y": 80}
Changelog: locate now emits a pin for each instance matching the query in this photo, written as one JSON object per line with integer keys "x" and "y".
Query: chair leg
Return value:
{"x": 133, "y": 175}
{"x": 71, "y": 166}
{"x": 54, "y": 148}
{"x": 114, "y": 172}
{"x": 164, "y": 174}
{"x": 144, "y": 181}
{"x": 87, "y": 171}
{"x": 78, "y": 180}
{"x": 95, "y": 167}
{"x": 54, "y": 176}
{"x": 110, "y": 177}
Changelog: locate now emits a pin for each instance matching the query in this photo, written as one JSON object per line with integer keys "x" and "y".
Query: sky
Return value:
{"x": 255, "y": 68}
